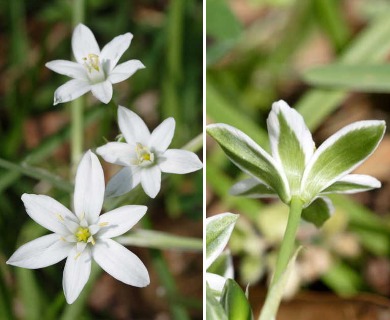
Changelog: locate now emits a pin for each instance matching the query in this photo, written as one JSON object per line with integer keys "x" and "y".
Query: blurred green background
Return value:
{"x": 329, "y": 60}
{"x": 34, "y": 149}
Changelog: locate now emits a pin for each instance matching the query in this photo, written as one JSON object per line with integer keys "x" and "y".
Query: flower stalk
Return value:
{"x": 77, "y": 106}
{"x": 287, "y": 247}
{"x": 77, "y": 125}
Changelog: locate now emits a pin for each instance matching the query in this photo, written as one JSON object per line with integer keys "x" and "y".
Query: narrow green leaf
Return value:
{"x": 250, "y": 158}
{"x": 343, "y": 280}
{"x": 340, "y": 154}
{"x": 214, "y": 310}
{"x": 30, "y": 292}
{"x": 48, "y": 146}
{"x": 318, "y": 211}
{"x": 372, "y": 45}
{"x": 360, "y": 215}
{"x": 331, "y": 19}
{"x": 159, "y": 240}
{"x": 218, "y": 231}
{"x": 177, "y": 310}
{"x": 37, "y": 173}
{"x": 5, "y": 297}
{"x": 222, "y": 110}
{"x": 221, "y": 22}
{"x": 364, "y": 78}
{"x": 234, "y": 302}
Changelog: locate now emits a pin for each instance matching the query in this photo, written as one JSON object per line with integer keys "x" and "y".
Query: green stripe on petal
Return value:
{"x": 252, "y": 188}
{"x": 251, "y": 158}
{"x": 318, "y": 211}
{"x": 353, "y": 183}
{"x": 339, "y": 155}
{"x": 218, "y": 231}
{"x": 291, "y": 142}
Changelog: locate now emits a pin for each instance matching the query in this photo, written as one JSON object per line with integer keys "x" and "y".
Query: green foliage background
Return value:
{"x": 252, "y": 56}
{"x": 168, "y": 40}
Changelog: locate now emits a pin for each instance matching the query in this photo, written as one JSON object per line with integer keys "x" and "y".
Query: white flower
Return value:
{"x": 94, "y": 70}
{"x": 82, "y": 235}
{"x": 295, "y": 168}
{"x": 144, "y": 155}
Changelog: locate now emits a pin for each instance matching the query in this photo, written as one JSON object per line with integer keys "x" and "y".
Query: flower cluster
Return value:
{"x": 85, "y": 234}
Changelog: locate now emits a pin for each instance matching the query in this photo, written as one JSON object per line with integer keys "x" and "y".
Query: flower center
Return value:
{"x": 82, "y": 234}
{"x": 143, "y": 154}
{"x": 92, "y": 62}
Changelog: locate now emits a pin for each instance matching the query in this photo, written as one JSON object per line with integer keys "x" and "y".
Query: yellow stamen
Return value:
{"x": 143, "y": 154}
{"x": 92, "y": 240}
{"x": 92, "y": 62}
{"x": 82, "y": 234}
{"x": 77, "y": 255}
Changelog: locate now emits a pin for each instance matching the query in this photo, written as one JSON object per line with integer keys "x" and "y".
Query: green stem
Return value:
{"x": 160, "y": 240}
{"x": 285, "y": 252}
{"x": 76, "y": 111}
{"x": 77, "y": 106}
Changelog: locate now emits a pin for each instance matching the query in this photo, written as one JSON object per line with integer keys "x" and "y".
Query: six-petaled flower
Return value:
{"x": 83, "y": 235}
{"x": 145, "y": 155}
{"x": 94, "y": 70}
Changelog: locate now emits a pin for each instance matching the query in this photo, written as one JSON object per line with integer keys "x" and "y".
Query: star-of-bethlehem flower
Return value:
{"x": 82, "y": 235}
{"x": 296, "y": 168}
{"x": 144, "y": 155}
{"x": 94, "y": 70}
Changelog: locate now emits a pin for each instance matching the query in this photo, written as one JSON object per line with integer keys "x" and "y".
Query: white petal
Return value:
{"x": 215, "y": 281}
{"x": 48, "y": 212}
{"x": 120, "y": 220}
{"x": 353, "y": 183}
{"x": 89, "y": 188}
{"x": 125, "y": 70}
{"x": 102, "y": 91}
{"x": 68, "y": 68}
{"x": 113, "y": 50}
{"x": 132, "y": 126}
{"x": 252, "y": 188}
{"x": 251, "y": 158}
{"x": 71, "y": 90}
{"x": 76, "y": 273}
{"x": 296, "y": 123}
{"x": 151, "y": 180}
{"x": 124, "y": 181}
{"x": 340, "y": 154}
{"x": 120, "y": 263}
{"x": 83, "y": 43}
{"x": 161, "y": 137}
{"x": 41, "y": 252}
{"x": 118, "y": 152}
{"x": 179, "y": 161}
{"x": 291, "y": 142}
